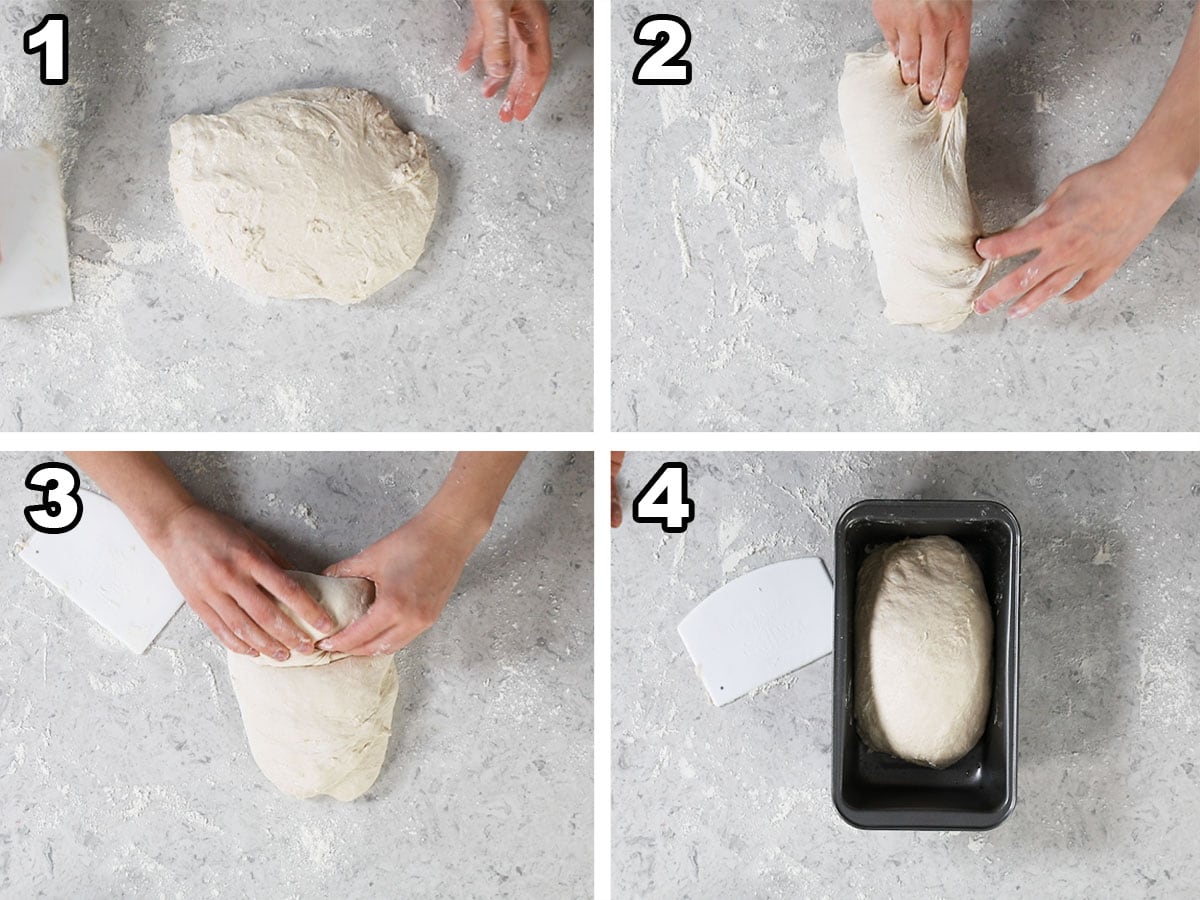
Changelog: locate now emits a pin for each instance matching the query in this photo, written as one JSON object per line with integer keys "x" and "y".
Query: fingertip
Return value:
{"x": 325, "y": 645}
{"x": 523, "y": 111}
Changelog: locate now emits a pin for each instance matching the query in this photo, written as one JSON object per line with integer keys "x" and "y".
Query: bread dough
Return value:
{"x": 910, "y": 160}
{"x": 923, "y": 651}
{"x": 305, "y": 193}
{"x": 345, "y": 599}
{"x": 319, "y": 724}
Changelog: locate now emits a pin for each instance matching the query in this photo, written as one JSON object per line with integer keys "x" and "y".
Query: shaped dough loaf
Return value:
{"x": 304, "y": 194}
{"x": 910, "y": 162}
{"x": 319, "y": 724}
{"x": 922, "y": 651}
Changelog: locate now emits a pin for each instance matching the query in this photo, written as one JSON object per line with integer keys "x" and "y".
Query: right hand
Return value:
{"x": 229, "y": 576}
{"x": 932, "y": 40}
{"x": 512, "y": 37}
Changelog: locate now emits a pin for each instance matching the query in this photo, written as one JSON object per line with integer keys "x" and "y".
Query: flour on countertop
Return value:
{"x": 685, "y": 253}
{"x": 304, "y": 513}
{"x": 722, "y": 185}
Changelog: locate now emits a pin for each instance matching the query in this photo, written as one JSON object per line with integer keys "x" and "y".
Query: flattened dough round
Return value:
{"x": 311, "y": 193}
{"x": 923, "y": 651}
{"x": 319, "y": 724}
{"x": 910, "y": 161}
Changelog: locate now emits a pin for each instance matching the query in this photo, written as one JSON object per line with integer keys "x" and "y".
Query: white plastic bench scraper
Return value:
{"x": 760, "y": 627}
{"x": 35, "y": 269}
{"x": 103, "y": 565}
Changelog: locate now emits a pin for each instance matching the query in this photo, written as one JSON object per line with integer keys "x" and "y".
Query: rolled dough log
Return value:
{"x": 923, "y": 651}
{"x": 305, "y": 193}
{"x": 910, "y": 160}
{"x": 319, "y": 724}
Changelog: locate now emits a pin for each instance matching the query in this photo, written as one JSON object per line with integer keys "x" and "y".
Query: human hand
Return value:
{"x": 1084, "y": 231}
{"x": 229, "y": 576}
{"x": 415, "y": 569}
{"x": 932, "y": 40}
{"x": 513, "y": 38}
{"x": 618, "y": 457}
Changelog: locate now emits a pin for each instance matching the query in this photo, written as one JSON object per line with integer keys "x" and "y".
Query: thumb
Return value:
{"x": 1022, "y": 237}
{"x": 347, "y": 568}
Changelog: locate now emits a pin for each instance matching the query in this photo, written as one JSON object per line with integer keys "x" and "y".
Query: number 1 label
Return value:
{"x": 49, "y": 39}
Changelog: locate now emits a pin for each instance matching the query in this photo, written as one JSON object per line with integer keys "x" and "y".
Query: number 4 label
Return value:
{"x": 664, "y": 500}
{"x": 670, "y": 37}
{"x": 49, "y": 39}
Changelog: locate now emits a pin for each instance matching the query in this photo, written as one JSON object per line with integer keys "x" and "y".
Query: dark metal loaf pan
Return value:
{"x": 876, "y": 790}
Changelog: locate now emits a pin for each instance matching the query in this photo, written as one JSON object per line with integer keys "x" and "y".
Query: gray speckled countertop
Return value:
{"x": 130, "y": 774}
{"x": 492, "y": 330}
{"x": 744, "y": 294}
{"x": 735, "y": 802}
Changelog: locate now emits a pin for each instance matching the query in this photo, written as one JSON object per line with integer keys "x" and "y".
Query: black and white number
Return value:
{"x": 60, "y": 508}
{"x": 670, "y": 37}
{"x": 664, "y": 500}
{"x": 48, "y": 39}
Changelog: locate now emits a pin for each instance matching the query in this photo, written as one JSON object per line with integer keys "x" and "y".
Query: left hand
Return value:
{"x": 614, "y": 502}
{"x": 513, "y": 38}
{"x": 1084, "y": 231}
{"x": 415, "y": 569}
{"x": 932, "y": 40}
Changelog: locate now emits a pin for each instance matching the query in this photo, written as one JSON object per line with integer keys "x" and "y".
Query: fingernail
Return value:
{"x": 506, "y": 106}
{"x": 1018, "y": 313}
{"x": 305, "y": 649}
{"x": 281, "y": 655}
{"x": 254, "y": 652}
{"x": 323, "y": 645}
{"x": 325, "y": 624}
{"x": 944, "y": 101}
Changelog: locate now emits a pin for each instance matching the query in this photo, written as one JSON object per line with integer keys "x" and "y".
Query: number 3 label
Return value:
{"x": 49, "y": 39}
{"x": 60, "y": 509}
{"x": 664, "y": 500}
{"x": 670, "y": 37}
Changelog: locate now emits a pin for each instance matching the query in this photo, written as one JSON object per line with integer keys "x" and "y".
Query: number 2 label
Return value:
{"x": 670, "y": 37}
{"x": 49, "y": 39}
